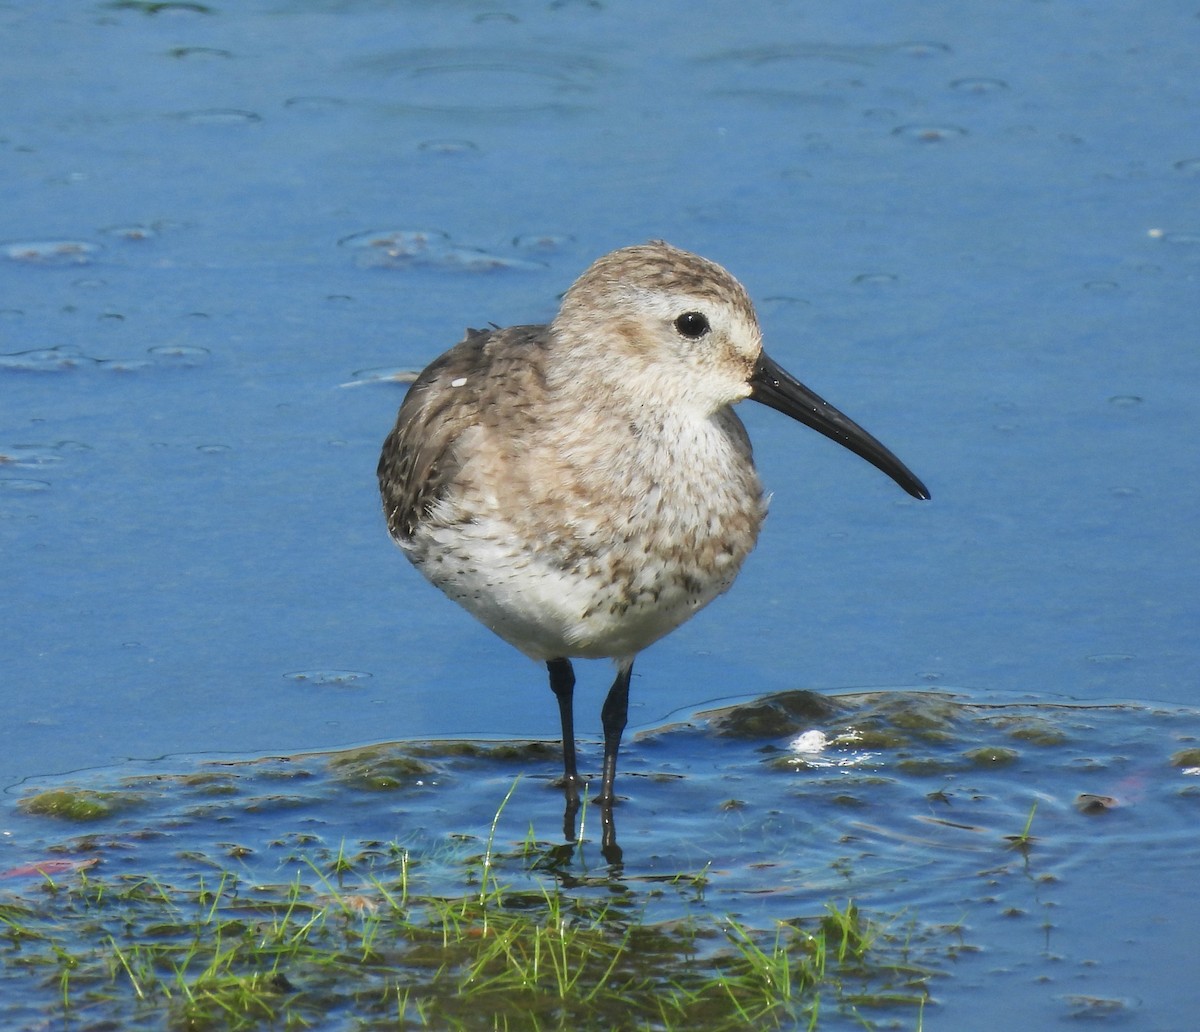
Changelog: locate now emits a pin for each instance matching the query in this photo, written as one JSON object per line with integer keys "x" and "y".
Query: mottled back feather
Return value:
{"x": 419, "y": 460}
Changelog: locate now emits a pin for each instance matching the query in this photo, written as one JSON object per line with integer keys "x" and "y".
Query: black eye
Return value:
{"x": 692, "y": 325}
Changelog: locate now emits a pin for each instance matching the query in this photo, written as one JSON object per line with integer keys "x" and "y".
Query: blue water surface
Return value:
{"x": 974, "y": 227}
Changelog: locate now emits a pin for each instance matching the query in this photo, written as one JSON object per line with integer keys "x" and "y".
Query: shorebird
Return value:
{"x": 584, "y": 487}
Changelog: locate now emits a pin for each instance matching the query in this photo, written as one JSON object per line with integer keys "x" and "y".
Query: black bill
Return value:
{"x": 775, "y": 386}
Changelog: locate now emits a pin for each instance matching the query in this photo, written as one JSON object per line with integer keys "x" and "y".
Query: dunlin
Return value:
{"x": 584, "y": 487}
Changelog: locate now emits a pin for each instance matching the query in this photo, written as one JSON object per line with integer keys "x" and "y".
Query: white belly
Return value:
{"x": 581, "y": 559}
{"x": 595, "y": 610}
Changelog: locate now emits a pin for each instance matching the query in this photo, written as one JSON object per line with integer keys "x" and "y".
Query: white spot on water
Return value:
{"x": 809, "y": 742}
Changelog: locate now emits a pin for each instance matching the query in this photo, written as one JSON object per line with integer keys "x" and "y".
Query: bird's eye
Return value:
{"x": 692, "y": 325}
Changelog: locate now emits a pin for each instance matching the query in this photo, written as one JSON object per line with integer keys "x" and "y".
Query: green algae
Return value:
{"x": 379, "y": 769}
{"x": 991, "y": 756}
{"x": 78, "y": 804}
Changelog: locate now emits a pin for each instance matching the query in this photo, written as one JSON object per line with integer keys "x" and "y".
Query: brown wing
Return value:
{"x": 419, "y": 460}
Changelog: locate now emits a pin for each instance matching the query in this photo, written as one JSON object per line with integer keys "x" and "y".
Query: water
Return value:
{"x": 972, "y": 228}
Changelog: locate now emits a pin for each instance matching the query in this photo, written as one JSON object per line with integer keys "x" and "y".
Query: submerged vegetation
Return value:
{"x": 354, "y": 945}
{"x": 380, "y": 888}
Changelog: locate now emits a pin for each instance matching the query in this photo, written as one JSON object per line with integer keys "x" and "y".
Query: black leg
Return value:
{"x": 613, "y": 716}
{"x": 562, "y": 683}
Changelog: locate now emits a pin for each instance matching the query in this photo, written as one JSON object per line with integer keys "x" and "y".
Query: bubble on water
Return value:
{"x": 183, "y": 356}
{"x": 28, "y": 456}
{"x": 50, "y": 252}
{"x": 1125, "y": 400}
{"x": 404, "y": 248}
{"x": 131, "y": 232}
{"x": 929, "y": 133}
{"x": 1110, "y": 658}
{"x": 90, "y": 284}
{"x": 123, "y": 365}
{"x": 875, "y": 279}
{"x": 448, "y": 147}
{"x": 47, "y": 360}
{"x": 497, "y": 16}
{"x": 219, "y": 116}
{"x": 476, "y": 260}
{"x": 1123, "y": 492}
{"x": 979, "y": 87}
{"x": 177, "y": 351}
{"x": 213, "y": 449}
{"x": 542, "y": 243}
{"x": 315, "y": 103}
{"x": 880, "y": 114}
{"x": 169, "y": 7}
{"x": 482, "y": 79}
{"x": 21, "y": 485}
{"x": 922, "y": 49}
{"x": 70, "y": 178}
{"x": 1102, "y": 286}
{"x": 340, "y": 678}
{"x": 396, "y": 244}
{"x": 784, "y": 301}
{"x": 1096, "y": 1008}
{"x": 773, "y": 53}
{"x": 199, "y": 53}
{"x": 1188, "y": 166}
{"x": 67, "y": 357}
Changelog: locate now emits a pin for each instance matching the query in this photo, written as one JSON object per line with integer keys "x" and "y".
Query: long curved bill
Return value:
{"x": 774, "y": 386}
